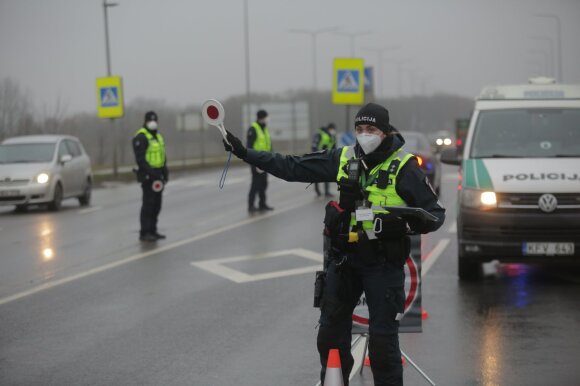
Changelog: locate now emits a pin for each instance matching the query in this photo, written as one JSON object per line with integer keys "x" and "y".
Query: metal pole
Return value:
{"x": 247, "y": 54}
{"x": 556, "y": 18}
{"x": 551, "y": 46}
{"x": 105, "y": 5}
{"x": 108, "y": 54}
{"x": 315, "y": 84}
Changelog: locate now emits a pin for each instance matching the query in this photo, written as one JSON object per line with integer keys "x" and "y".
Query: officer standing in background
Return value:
{"x": 367, "y": 251}
{"x": 325, "y": 139}
{"x": 259, "y": 139}
{"x": 152, "y": 173}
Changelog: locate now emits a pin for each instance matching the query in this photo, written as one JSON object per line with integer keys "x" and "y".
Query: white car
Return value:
{"x": 44, "y": 169}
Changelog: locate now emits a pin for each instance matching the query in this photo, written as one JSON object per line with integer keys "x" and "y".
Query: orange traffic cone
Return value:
{"x": 333, "y": 375}
{"x": 424, "y": 314}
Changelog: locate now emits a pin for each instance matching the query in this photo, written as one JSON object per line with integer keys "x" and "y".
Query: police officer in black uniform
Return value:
{"x": 373, "y": 260}
{"x": 152, "y": 173}
{"x": 258, "y": 138}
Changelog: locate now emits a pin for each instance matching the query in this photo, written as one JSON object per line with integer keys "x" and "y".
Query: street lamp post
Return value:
{"x": 556, "y": 18}
{"x": 314, "y": 34}
{"x": 546, "y": 58}
{"x": 380, "y": 52}
{"x": 551, "y": 47}
{"x": 115, "y": 157}
{"x": 247, "y": 59}
{"x": 352, "y": 36}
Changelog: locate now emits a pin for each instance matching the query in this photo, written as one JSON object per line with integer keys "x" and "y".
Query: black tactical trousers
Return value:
{"x": 385, "y": 299}
{"x": 259, "y": 185}
{"x": 150, "y": 208}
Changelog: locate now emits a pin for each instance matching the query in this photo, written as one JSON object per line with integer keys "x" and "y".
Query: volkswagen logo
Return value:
{"x": 547, "y": 203}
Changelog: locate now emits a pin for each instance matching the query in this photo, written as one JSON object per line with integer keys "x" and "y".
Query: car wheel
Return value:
{"x": 56, "y": 202}
{"x": 85, "y": 199}
{"x": 468, "y": 270}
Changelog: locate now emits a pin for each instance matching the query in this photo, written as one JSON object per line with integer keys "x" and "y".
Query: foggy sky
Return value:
{"x": 185, "y": 51}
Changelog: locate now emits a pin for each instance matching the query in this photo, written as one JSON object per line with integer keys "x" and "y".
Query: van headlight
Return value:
{"x": 473, "y": 198}
{"x": 42, "y": 178}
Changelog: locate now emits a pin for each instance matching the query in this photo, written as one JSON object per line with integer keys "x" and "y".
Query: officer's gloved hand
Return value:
{"x": 336, "y": 223}
{"x": 236, "y": 147}
{"x": 389, "y": 227}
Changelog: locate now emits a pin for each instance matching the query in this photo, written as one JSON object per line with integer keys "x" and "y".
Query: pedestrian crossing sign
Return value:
{"x": 110, "y": 97}
{"x": 348, "y": 81}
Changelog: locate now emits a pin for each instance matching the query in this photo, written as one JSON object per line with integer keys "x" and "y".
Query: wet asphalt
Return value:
{"x": 227, "y": 298}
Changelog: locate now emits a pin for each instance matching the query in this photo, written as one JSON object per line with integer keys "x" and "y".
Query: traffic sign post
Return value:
{"x": 348, "y": 81}
{"x": 110, "y": 97}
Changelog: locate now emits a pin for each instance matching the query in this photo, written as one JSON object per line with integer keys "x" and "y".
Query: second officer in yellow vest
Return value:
{"x": 152, "y": 173}
{"x": 374, "y": 173}
{"x": 259, "y": 139}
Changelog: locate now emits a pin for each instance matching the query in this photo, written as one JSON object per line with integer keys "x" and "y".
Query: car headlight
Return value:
{"x": 473, "y": 198}
{"x": 42, "y": 178}
{"x": 447, "y": 141}
{"x": 439, "y": 141}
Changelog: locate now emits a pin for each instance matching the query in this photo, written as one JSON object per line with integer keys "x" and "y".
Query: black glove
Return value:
{"x": 336, "y": 224}
{"x": 236, "y": 147}
{"x": 389, "y": 227}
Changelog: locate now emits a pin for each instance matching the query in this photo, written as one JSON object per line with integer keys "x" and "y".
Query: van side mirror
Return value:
{"x": 65, "y": 158}
{"x": 449, "y": 156}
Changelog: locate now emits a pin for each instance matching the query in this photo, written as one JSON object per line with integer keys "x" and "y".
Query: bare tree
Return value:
{"x": 15, "y": 109}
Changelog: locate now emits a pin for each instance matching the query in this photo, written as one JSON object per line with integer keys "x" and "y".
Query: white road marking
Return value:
{"x": 217, "y": 266}
{"x": 90, "y": 210}
{"x": 55, "y": 283}
{"x": 230, "y": 181}
{"x": 452, "y": 228}
{"x": 432, "y": 256}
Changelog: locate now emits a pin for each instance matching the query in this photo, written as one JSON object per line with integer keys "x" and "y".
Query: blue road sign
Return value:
{"x": 348, "y": 81}
{"x": 109, "y": 96}
{"x": 368, "y": 78}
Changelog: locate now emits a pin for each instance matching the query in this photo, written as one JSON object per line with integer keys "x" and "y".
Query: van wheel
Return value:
{"x": 21, "y": 208}
{"x": 56, "y": 202}
{"x": 468, "y": 270}
{"x": 85, "y": 199}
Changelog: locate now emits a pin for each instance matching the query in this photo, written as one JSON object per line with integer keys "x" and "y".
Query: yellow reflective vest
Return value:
{"x": 262, "y": 142}
{"x": 155, "y": 155}
{"x": 378, "y": 197}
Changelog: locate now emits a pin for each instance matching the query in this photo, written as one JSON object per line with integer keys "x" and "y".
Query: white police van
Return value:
{"x": 519, "y": 194}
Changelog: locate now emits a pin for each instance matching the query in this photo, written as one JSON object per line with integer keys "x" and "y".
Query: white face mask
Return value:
{"x": 152, "y": 125}
{"x": 368, "y": 142}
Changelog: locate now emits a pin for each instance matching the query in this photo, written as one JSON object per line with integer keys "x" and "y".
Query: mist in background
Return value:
{"x": 430, "y": 59}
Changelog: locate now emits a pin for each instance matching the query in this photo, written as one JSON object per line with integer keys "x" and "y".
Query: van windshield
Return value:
{"x": 527, "y": 133}
{"x": 26, "y": 153}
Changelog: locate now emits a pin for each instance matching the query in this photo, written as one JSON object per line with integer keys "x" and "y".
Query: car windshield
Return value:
{"x": 527, "y": 133}
{"x": 26, "y": 153}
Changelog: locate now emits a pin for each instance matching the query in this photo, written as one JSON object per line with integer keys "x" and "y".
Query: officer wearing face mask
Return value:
{"x": 259, "y": 139}
{"x": 376, "y": 172}
{"x": 152, "y": 173}
{"x": 325, "y": 139}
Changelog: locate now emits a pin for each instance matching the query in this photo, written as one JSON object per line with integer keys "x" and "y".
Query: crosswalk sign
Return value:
{"x": 110, "y": 97}
{"x": 348, "y": 81}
